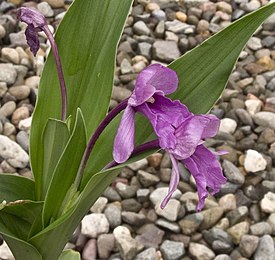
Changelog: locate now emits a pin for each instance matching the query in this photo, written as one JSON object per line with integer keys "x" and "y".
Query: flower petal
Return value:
{"x": 31, "y": 17}
{"x": 192, "y": 166}
{"x": 32, "y": 39}
{"x": 174, "y": 181}
{"x": 173, "y": 112}
{"x": 153, "y": 79}
{"x": 212, "y": 128}
{"x": 162, "y": 128}
{"x": 207, "y": 172}
{"x": 124, "y": 140}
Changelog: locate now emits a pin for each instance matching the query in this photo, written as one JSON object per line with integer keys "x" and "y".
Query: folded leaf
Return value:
{"x": 55, "y": 138}
{"x": 65, "y": 172}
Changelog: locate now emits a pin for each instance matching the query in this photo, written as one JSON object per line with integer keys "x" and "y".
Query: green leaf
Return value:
{"x": 55, "y": 138}
{"x": 65, "y": 172}
{"x": 20, "y": 249}
{"x": 203, "y": 73}
{"x": 58, "y": 233}
{"x": 87, "y": 53}
{"x": 14, "y": 187}
{"x": 19, "y": 216}
{"x": 69, "y": 255}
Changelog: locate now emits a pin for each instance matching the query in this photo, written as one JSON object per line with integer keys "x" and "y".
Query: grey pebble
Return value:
{"x": 172, "y": 250}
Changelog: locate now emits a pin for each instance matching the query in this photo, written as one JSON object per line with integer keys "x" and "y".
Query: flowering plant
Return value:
{"x": 72, "y": 138}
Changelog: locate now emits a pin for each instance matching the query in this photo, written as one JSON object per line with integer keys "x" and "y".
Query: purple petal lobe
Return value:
{"x": 31, "y": 17}
{"x": 153, "y": 79}
{"x": 212, "y": 128}
{"x": 124, "y": 140}
{"x": 206, "y": 171}
{"x": 32, "y": 39}
{"x": 173, "y": 112}
{"x": 174, "y": 181}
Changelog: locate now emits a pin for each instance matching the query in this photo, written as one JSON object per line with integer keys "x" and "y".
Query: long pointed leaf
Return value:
{"x": 203, "y": 73}
{"x": 87, "y": 53}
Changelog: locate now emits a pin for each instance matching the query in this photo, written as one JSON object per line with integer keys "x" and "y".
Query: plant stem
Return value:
{"x": 139, "y": 149}
{"x": 59, "y": 71}
{"x": 110, "y": 116}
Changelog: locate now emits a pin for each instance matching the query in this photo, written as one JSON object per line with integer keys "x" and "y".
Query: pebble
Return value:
{"x": 254, "y": 43}
{"x": 200, "y": 252}
{"x": 99, "y": 205}
{"x": 7, "y": 109}
{"x": 146, "y": 179}
{"x": 268, "y": 203}
{"x": 25, "y": 124}
{"x": 22, "y": 138}
{"x": 55, "y": 3}
{"x": 10, "y": 55}
{"x": 90, "y": 250}
{"x": 254, "y": 161}
{"x": 138, "y": 165}
{"x": 248, "y": 245}
{"x": 172, "y": 250}
{"x": 94, "y": 224}
{"x": 45, "y": 9}
{"x": 128, "y": 246}
{"x": 141, "y": 28}
{"x": 265, "y": 119}
{"x": 8, "y": 73}
{"x": 260, "y": 229}
{"x": 105, "y": 245}
{"x": 150, "y": 235}
{"x": 253, "y": 106}
{"x": 20, "y": 92}
{"x": 228, "y": 202}
{"x": 265, "y": 249}
{"x": 13, "y": 153}
{"x": 133, "y": 219}
{"x": 19, "y": 114}
{"x": 232, "y": 173}
{"x": 191, "y": 223}
{"x": 237, "y": 231}
{"x": 148, "y": 254}
{"x": 167, "y": 225}
{"x": 211, "y": 217}
{"x": 165, "y": 51}
{"x": 113, "y": 215}
{"x": 228, "y": 125}
{"x": 159, "y": 194}
{"x": 171, "y": 210}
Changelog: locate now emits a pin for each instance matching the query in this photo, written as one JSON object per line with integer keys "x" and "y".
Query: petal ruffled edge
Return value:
{"x": 124, "y": 140}
{"x": 174, "y": 181}
{"x": 153, "y": 79}
{"x": 207, "y": 172}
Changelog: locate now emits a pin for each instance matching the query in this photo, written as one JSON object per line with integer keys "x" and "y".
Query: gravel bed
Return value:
{"x": 126, "y": 222}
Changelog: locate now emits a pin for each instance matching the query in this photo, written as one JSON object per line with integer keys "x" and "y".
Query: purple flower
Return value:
{"x": 180, "y": 132}
{"x": 156, "y": 80}
{"x": 36, "y": 23}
